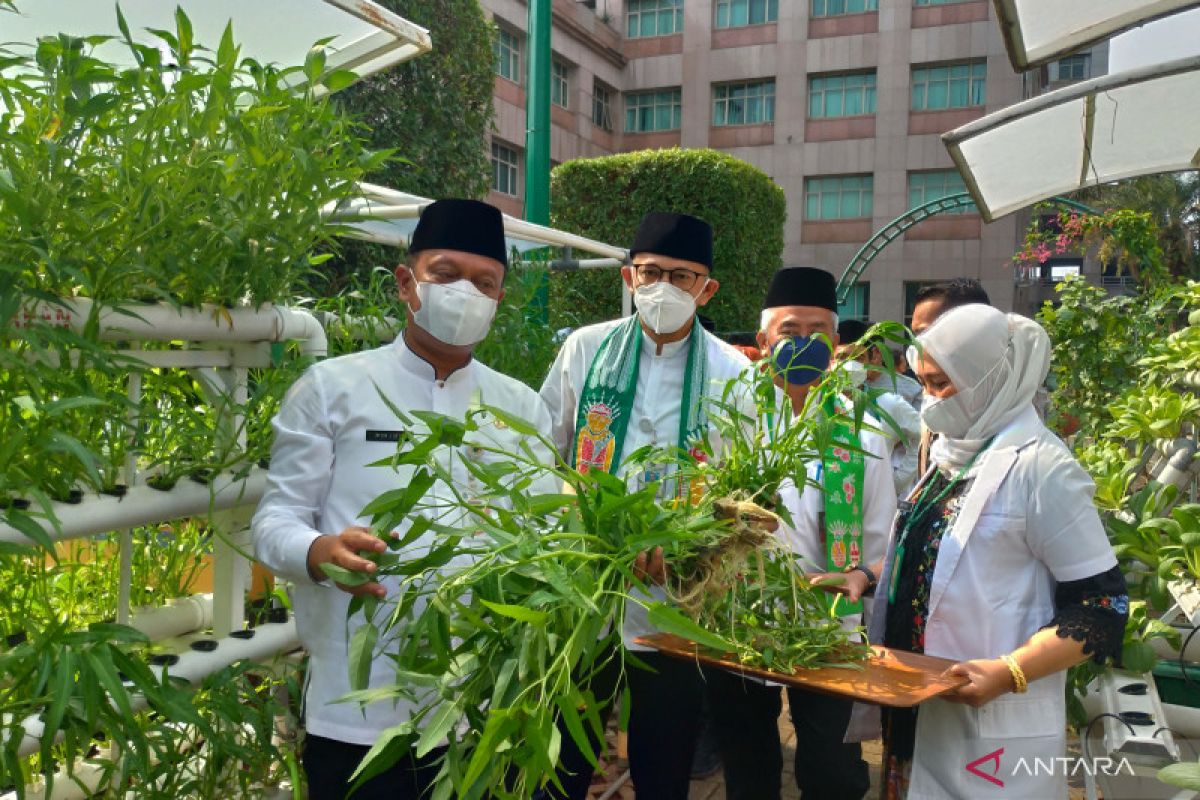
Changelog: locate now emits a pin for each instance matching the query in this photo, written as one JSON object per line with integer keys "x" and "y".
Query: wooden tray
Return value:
{"x": 887, "y": 678}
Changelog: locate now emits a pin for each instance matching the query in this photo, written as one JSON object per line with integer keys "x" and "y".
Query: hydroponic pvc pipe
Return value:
{"x": 141, "y": 505}
{"x": 158, "y": 322}
{"x": 1190, "y": 380}
{"x": 356, "y": 327}
{"x": 1180, "y": 466}
{"x": 179, "y": 617}
{"x": 269, "y": 640}
{"x": 569, "y": 264}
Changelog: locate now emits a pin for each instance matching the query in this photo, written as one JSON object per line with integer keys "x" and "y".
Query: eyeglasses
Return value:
{"x": 679, "y": 277}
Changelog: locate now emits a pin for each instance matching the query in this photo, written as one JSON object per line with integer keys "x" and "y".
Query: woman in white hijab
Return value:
{"x": 999, "y": 561}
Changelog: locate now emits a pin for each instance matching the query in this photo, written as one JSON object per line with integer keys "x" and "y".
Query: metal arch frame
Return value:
{"x": 917, "y": 214}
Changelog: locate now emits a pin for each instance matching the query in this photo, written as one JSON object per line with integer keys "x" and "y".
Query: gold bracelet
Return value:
{"x": 1020, "y": 684}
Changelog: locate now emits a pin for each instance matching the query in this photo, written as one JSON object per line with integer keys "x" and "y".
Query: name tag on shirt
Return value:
{"x": 385, "y": 436}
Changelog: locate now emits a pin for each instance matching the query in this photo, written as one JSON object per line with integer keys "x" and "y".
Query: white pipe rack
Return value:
{"x": 269, "y": 640}
{"x": 142, "y": 505}
{"x": 164, "y": 323}
{"x": 180, "y": 616}
{"x": 516, "y": 228}
{"x": 385, "y": 328}
{"x": 87, "y": 778}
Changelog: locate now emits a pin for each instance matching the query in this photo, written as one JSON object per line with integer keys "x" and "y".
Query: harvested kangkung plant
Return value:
{"x": 712, "y": 569}
{"x": 499, "y": 627}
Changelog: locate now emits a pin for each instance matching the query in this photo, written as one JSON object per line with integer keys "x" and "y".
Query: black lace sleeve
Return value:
{"x": 1093, "y": 611}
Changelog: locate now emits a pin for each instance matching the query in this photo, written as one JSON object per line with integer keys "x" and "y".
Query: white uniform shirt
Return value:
{"x": 1026, "y": 524}
{"x": 903, "y": 440}
{"x": 656, "y": 406}
{"x": 899, "y": 384}
{"x": 803, "y": 536}
{"x": 331, "y": 425}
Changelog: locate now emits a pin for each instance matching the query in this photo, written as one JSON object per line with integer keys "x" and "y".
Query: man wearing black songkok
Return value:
{"x": 601, "y": 413}
{"x": 331, "y": 425}
{"x": 826, "y": 532}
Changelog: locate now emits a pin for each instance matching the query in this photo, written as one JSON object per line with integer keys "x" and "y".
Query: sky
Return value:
{"x": 1167, "y": 39}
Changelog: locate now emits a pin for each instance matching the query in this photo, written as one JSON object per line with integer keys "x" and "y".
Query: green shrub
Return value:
{"x": 605, "y": 198}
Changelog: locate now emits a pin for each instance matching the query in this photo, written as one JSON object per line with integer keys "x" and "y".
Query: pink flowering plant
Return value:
{"x": 1128, "y": 238}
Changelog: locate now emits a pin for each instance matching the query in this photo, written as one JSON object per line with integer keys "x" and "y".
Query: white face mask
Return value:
{"x": 663, "y": 307}
{"x": 947, "y": 416}
{"x": 856, "y": 372}
{"x": 455, "y": 313}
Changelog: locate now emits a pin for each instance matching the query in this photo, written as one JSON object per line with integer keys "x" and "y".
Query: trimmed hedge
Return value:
{"x": 605, "y": 198}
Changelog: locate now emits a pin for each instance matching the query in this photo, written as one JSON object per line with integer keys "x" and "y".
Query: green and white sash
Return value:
{"x": 843, "y": 470}
{"x": 606, "y": 402}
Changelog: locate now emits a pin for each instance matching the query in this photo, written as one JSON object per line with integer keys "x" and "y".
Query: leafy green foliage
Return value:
{"x": 194, "y": 182}
{"x": 498, "y": 627}
{"x": 605, "y": 198}
{"x": 194, "y": 177}
{"x": 1121, "y": 366}
{"x": 1185, "y": 775}
{"x": 97, "y": 681}
{"x": 1171, "y": 201}
{"x": 1097, "y": 341}
{"x": 236, "y": 753}
{"x": 521, "y": 344}
{"x": 1121, "y": 236}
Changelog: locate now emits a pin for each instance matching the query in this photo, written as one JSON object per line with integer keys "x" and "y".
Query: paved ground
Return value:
{"x": 713, "y": 788}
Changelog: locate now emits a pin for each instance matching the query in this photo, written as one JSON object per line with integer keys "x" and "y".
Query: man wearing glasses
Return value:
{"x": 619, "y": 386}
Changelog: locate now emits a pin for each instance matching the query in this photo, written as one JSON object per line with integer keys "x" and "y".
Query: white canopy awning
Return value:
{"x": 366, "y": 37}
{"x": 387, "y": 216}
{"x": 1038, "y": 31}
{"x": 1119, "y": 126}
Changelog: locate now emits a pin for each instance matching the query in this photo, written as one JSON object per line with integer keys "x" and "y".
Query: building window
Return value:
{"x": 507, "y": 49}
{"x": 504, "y": 169}
{"x": 646, "y": 112}
{"x": 1072, "y": 68}
{"x": 739, "y": 13}
{"x": 560, "y": 84}
{"x": 858, "y": 303}
{"x": 602, "y": 103}
{"x": 841, "y": 95}
{"x": 1059, "y": 269}
{"x": 835, "y": 8}
{"x": 951, "y": 86}
{"x": 843, "y": 197}
{"x": 926, "y": 186}
{"x": 744, "y": 103}
{"x": 1114, "y": 274}
{"x": 653, "y": 18}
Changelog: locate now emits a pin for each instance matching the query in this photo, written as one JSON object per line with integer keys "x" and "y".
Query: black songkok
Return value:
{"x": 851, "y": 330}
{"x": 802, "y": 286}
{"x": 675, "y": 236}
{"x": 470, "y": 226}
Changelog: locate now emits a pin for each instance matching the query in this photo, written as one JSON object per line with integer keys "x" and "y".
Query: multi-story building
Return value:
{"x": 841, "y": 102}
